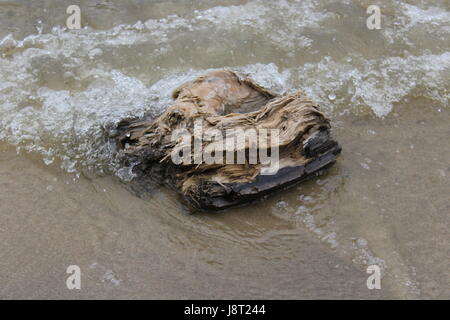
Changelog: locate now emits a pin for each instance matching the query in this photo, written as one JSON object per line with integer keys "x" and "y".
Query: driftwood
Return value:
{"x": 226, "y": 102}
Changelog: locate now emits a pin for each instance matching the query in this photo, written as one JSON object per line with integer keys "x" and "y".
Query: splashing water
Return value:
{"x": 62, "y": 89}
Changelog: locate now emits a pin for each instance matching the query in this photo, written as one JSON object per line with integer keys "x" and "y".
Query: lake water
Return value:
{"x": 66, "y": 200}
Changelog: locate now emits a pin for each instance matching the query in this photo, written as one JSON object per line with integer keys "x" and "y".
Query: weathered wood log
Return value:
{"x": 226, "y": 102}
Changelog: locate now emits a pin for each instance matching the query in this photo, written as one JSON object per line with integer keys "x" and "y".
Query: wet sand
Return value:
{"x": 127, "y": 247}
{"x": 383, "y": 202}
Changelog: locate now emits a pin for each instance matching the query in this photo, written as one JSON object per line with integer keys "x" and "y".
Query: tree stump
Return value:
{"x": 227, "y": 103}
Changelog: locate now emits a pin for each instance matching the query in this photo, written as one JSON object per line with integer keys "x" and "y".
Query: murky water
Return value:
{"x": 65, "y": 199}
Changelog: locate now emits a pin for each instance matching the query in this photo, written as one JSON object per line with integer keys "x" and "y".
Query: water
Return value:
{"x": 65, "y": 198}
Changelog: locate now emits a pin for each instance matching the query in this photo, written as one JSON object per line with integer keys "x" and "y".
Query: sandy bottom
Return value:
{"x": 385, "y": 203}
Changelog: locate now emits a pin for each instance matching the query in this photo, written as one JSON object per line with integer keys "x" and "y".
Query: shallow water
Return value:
{"x": 65, "y": 199}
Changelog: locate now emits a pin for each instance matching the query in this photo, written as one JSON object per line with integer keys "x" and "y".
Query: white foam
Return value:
{"x": 431, "y": 15}
{"x": 377, "y": 84}
{"x": 60, "y": 90}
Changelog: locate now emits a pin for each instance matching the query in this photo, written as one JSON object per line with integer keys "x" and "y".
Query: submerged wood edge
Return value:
{"x": 241, "y": 193}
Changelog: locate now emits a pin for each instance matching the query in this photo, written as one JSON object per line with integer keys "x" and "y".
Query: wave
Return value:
{"x": 61, "y": 91}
